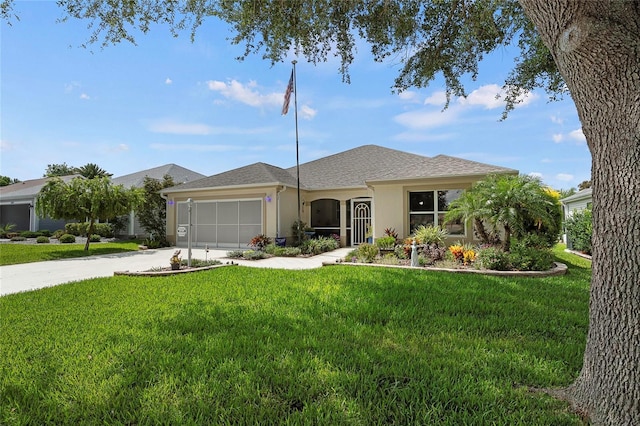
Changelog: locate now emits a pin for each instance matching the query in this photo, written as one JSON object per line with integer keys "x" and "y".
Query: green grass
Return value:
{"x": 11, "y": 254}
{"x": 338, "y": 345}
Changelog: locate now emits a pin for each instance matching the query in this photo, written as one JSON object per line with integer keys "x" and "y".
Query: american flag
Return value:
{"x": 287, "y": 96}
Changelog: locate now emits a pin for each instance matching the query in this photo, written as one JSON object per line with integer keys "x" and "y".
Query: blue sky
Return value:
{"x": 168, "y": 100}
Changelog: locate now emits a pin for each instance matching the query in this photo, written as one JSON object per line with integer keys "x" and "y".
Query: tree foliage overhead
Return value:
{"x": 86, "y": 199}
{"x": 91, "y": 171}
{"x": 6, "y": 180}
{"x": 426, "y": 37}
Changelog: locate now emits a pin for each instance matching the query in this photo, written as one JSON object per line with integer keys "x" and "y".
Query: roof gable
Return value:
{"x": 253, "y": 174}
{"x": 178, "y": 173}
{"x": 29, "y": 188}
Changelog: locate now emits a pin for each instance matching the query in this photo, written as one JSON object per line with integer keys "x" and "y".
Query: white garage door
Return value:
{"x": 223, "y": 224}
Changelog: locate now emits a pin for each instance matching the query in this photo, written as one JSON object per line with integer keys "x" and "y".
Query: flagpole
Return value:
{"x": 295, "y": 105}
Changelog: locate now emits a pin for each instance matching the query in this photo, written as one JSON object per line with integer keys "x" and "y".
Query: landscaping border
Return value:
{"x": 558, "y": 269}
{"x": 170, "y": 272}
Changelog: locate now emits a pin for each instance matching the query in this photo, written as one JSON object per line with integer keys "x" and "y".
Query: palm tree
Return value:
{"x": 92, "y": 171}
{"x": 470, "y": 206}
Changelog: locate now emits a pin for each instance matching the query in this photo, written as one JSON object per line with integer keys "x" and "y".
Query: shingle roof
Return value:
{"x": 353, "y": 167}
{"x": 178, "y": 173}
{"x": 28, "y": 188}
{"x": 253, "y": 174}
{"x": 348, "y": 169}
{"x": 585, "y": 193}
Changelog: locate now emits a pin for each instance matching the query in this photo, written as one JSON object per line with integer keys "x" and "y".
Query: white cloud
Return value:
{"x": 564, "y": 177}
{"x": 5, "y": 146}
{"x": 408, "y": 96}
{"x": 245, "y": 93}
{"x": 491, "y": 96}
{"x": 307, "y": 112}
{"x": 70, "y": 87}
{"x": 577, "y": 135}
{"x": 85, "y": 97}
{"x": 200, "y": 129}
{"x": 424, "y": 119}
{"x": 437, "y": 98}
{"x": 168, "y": 81}
{"x": 557, "y": 137}
{"x": 557, "y": 120}
{"x": 546, "y": 160}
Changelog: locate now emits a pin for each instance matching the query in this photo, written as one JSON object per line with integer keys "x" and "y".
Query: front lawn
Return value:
{"x": 339, "y": 345}
{"x": 14, "y": 253}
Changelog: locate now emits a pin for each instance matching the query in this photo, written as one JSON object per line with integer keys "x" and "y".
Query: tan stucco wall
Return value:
{"x": 391, "y": 203}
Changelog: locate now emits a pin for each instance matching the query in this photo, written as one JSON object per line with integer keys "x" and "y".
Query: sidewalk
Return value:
{"x": 32, "y": 276}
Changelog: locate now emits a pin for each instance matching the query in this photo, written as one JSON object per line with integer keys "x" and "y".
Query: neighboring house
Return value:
{"x": 17, "y": 206}
{"x": 579, "y": 201}
{"x": 17, "y": 201}
{"x": 136, "y": 180}
{"x": 344, "y": 194}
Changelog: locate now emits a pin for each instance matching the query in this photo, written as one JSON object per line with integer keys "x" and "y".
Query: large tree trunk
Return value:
{"x": 596, "y": 45}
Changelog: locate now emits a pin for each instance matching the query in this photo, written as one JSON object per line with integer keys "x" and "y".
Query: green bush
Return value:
{"x": 253, "y": 254}
{"x": 365, "y": 253}
{"x": 42, "y": 239}
{"x": 18, "y": 238}
{"x": 275, "y": 250}
{"x": 319, "y": 245}
{"x": 95, "y": 238}
{"x": 30, "y": 234}
{"x": 387, "y": 242}
{"x": 492, "y": 258}
{"x": 57, "y": 234}
{"x": 235, "y": 254}
{"x": 579, "y": 230}
{"x": 525, "y": 258}
{"x": 259, "y": 242}
{"x": 67, "y": 238}
{"x": 45, "y": 232}
{"x": 80, "y": 229}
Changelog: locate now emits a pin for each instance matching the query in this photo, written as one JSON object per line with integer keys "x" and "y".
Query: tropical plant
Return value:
{"x": 430, "y": 235}
{"x": 94, "y": 199}
{"x": 91, "y": 171}
{"x": 387, "y": 242}
{"x": 259, "y": 242}
{"x": 470, "y": 206}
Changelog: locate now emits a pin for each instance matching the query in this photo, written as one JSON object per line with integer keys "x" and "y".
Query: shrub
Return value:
{"x": 42, "y": 239}
{"x": 297, "y": 231}
{"x": 579, "y": 230}
{"x": 365, "y": 253}
{"x": 30, "y": 234}
{"x": 234, "y": 254}
{"x": 57, "y": 234}
{"x": 433, "y": 253}
{"x": 45, "y": 232}
{"x": 253, "y": 254}
{"x": 391, "y": 232}
{"x": 400, "y": 253}
{"x": 430, "y": 235}
{"x": 80, "y": 229}
{"x": 389, "y": 259}
{"x": 526, "y": 258}
{"x": 319, "y": 245}
{"x": 95, "y": 238}
{"x": 387, "y": 242}
{"x": 259, "y": 242}
{"x": 18, "y": 238}
{"x": 152, "y": 244}
{"x": 492, "y": 258}
{"x": 67, "y": 238}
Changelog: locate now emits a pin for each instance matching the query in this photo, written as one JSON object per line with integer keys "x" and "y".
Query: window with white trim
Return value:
{"x": 429, "y": 207}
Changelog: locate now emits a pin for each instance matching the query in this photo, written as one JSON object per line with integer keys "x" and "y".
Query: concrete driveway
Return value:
{"x": 32, "y": 276}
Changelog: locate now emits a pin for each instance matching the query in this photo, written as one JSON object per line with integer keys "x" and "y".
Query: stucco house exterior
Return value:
{"x": 17, "y": 201}
{"x": 348, "y": 193}
{"x": 136, "y": 180}
{"x": 17, "y": 205}
{"x": 579, "y": 201}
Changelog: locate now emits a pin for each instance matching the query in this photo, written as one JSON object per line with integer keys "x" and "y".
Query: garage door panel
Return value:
{"x": 251, "y": 212}
{"x": 247, "y": 232}
{"x": 228, "y": 213}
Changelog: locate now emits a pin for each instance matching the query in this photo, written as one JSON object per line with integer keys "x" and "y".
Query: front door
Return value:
{"x": 361, "y": 220}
